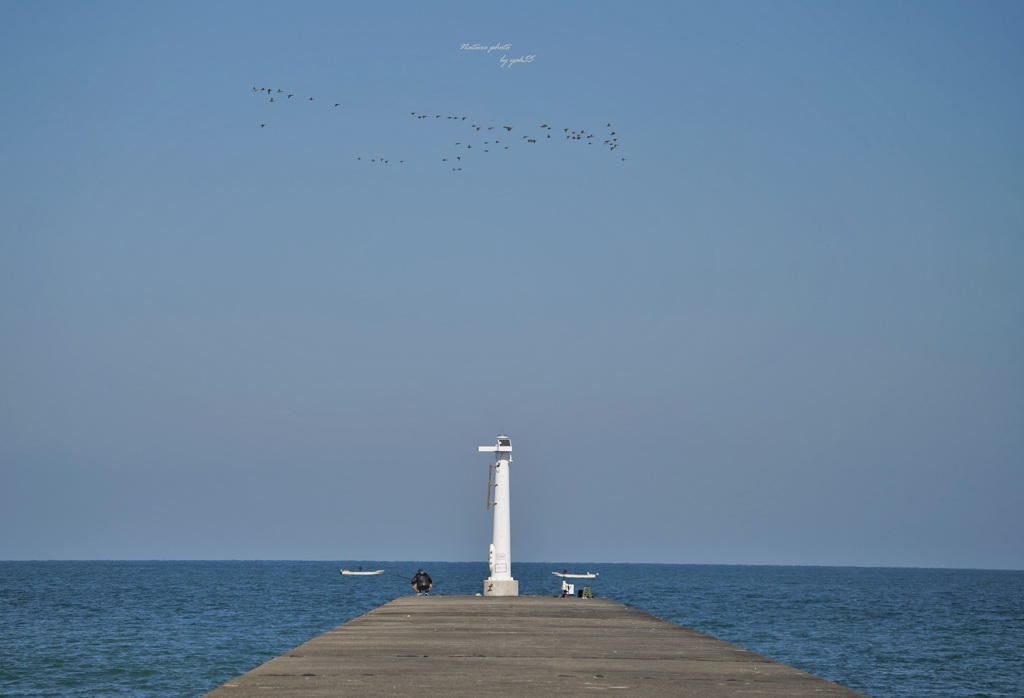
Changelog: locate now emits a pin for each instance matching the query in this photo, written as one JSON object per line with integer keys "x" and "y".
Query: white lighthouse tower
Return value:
{"x": 499, "y": 559}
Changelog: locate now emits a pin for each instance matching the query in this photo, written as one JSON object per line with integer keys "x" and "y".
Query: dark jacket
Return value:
{"x": 422, "y": 580}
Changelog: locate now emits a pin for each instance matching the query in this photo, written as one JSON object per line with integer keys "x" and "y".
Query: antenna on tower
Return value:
{"x": 490, "y": 485}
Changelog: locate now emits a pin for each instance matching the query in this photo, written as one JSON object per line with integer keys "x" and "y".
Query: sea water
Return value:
{"x": 147, "y": 629}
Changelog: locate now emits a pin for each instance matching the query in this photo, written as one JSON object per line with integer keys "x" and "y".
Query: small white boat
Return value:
{"x": 570, "y": 575}
{"x": 361, "y": 573}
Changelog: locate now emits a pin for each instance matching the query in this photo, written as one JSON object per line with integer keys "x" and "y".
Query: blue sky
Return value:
{"x": 781, "y": 322}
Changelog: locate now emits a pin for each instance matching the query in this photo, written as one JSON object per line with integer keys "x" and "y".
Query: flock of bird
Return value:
{"x": 280, "y": 95}
{"x": 483, "y": 139}
{"x": 479, "y": 140}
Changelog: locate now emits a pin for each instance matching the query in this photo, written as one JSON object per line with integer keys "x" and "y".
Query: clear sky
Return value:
{"x": 780, "y": 322}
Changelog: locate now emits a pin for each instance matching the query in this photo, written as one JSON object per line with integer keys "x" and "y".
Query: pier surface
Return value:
{"x": 519, "y": 646}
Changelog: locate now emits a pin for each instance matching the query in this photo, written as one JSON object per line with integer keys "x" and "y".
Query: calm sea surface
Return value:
{"x": 184, "y": 628}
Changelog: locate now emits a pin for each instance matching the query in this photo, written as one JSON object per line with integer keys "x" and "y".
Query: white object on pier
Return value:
{"x": 499, "y": 558}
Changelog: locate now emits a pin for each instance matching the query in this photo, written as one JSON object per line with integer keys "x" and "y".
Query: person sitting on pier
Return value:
{"x": 422, "y": 583}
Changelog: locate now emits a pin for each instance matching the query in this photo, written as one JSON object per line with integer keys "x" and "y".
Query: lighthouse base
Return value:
{"x": 501, "y": 587}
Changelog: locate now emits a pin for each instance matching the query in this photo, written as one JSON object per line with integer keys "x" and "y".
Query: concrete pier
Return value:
{"x": 519, "y": 646}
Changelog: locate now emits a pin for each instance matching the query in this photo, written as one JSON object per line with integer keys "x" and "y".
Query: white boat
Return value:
{"x": 570, "y": 575}
{"x": 361, "y": 573}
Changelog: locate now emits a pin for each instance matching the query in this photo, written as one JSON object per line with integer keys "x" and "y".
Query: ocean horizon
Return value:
{"x": 517, "y": 563}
